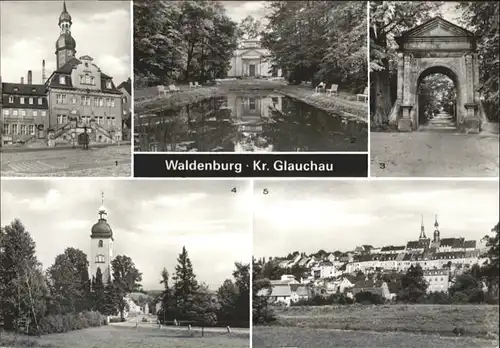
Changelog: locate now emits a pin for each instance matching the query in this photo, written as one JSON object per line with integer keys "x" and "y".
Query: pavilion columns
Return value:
{"x": 405, "y": 122}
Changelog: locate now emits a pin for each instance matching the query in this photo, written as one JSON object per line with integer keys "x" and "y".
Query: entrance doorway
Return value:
{"x": 437, "y": 100}
{"x": 251, "y": 70}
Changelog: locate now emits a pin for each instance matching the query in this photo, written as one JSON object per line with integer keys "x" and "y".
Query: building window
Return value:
{"x": 23, "y": 129}
{"x": 35, "y": 113}
{"x": 11, "y": 99}
{"x": 31, "y": 100}
{"x": 6, "y": 129}
{"x": 62, "y": 80}
{"x": 16, "y": 89}
{"x": 40, "y": 100}
{"x": 31, "y": 128}
{"x": 73, "y": 100}
{"x": 96, "y": 101}
{"x": 113, "y": 121}
{"x": 23, "y": 113}
{"x": 86, "y": 80}
{"x": 21, "y": 100}
{"x": 15, "y": 129}
{"x": 92, "y": 81}
{"x": 59, "y": 98}
{"x": 99, "y": 259}
{"x": 112, "y": 103}
{"x": 124, "y": 99}
{"x": 44, "y": 113}
{"x": 86, "y": 100}
{"x": 6, "y": 112}
{"x": 100, "y": 244}
{"x": 108, "y": 84}
{"x": 108, "y": 102}
{"x": 14, "y": 112}
{"x": 101, "y": 101}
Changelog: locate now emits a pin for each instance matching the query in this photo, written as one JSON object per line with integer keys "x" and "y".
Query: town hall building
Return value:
{"x": 76, "y": 99}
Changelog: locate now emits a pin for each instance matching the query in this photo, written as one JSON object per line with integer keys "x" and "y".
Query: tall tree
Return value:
{"x": 185, "y": 284}
{"x": 482, "y": 18}
{"x": 319, "y": 41}
{"x": 249, "y": 28}
{"x": 166, "y": 297}
{"x": 98, "y": 292}
{"x": 181, "y": 40}
{"x": 69, "y": 281}
{"x": 491, "y": 269}
{"x": 413, "y": 285}
{"x": 262, "y": 311}
{"x": 388, "y": 18}
{"x": 22, "y": 285}
{"x": 126, "y": 279}
{"x": 227, "y": 295}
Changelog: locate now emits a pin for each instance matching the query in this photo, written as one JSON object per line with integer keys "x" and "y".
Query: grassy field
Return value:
{"x": 273, "y": 337}
{"x": 380, "y": 326}
{"x": 477, "y": 320}
{"x": 127, "y": 337}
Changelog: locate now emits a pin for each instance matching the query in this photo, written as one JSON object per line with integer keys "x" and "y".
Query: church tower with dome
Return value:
{"x": 65, "y": 44}
{"x": 101, "y": 248}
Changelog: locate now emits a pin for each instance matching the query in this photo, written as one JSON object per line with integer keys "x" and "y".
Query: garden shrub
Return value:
{"x": 59, "y": 323}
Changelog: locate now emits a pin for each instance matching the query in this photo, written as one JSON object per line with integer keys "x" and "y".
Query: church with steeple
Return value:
{"x": 101, "y": 245}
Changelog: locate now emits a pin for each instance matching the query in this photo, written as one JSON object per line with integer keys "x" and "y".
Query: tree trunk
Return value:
{"x": 382, "y": 101}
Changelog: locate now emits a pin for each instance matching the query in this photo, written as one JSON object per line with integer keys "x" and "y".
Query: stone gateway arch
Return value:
{"x": 438, "y": 46}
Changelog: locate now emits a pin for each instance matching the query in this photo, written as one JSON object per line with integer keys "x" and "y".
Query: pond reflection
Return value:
{"x": 238, "y": 123}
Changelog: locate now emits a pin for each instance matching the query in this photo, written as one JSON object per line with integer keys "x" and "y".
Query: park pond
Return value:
{"x": 243, "y": 123}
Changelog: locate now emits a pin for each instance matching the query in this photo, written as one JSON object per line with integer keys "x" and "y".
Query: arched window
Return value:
{"x": 99, "y": 259}
{"x": 100, "y": 244}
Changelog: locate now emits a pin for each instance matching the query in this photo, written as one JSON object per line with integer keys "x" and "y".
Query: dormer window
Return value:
{"x": 31, "y": 100}
{"x": 62, "y": 80}
{"x": 16, "y": 89}
{"x": 21, "y": 100}
{"x": 86, "y": 65}
{"x": 40, "y": 100}
{"x": 11, "y": 99}
{"x": 108, "y": 84}
{"x": 33, "y": 90}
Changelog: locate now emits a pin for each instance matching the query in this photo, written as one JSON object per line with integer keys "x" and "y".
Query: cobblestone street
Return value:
{"x": 430, "y": 154}
{"x": 96, "y": 162}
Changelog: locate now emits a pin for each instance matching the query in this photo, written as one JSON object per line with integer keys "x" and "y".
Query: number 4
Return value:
{"x": 233, "y": 190}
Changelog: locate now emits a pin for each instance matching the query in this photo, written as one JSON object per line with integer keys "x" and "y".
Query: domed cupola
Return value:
{"x": 65, "y": 16}
{"x": 101, "y": 229}
{"x": 65, "y": 44}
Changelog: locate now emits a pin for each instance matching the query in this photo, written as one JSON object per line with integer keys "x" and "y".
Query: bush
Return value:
{"x": 59, "y": 323}
{"x": 366, "y": 297}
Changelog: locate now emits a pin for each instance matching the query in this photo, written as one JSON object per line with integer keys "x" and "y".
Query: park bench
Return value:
{"x": 364, "y": 95}
{"x": 196, "y": 85}
{"x": 161, "y": 90}
{"x": 320, "y": 86}
{"x": 173, "y": 88}
{"x": 334, "y": 89}
{"x": 191, "y": 85}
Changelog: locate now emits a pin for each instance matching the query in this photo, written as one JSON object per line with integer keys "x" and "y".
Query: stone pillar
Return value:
{"x": 405, "y": 123}
{"x": 471, "y": 122}
{"x": 400, "y": 77}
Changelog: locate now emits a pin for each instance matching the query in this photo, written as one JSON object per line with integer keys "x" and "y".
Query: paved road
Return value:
{"x": 432, "y": 154}
{"x": 132, "y": 323}
{"x": 100, "y": 162}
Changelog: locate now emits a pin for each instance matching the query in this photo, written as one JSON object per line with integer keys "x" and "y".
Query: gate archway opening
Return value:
{"x": 437, "y": 99}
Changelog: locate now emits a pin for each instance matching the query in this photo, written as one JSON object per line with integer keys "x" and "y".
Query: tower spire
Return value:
{"x": 102, "y": 197}
{"x": 422, "y": 228}
{"x": 64, "y": 6}
{"x": 436, "y": 224}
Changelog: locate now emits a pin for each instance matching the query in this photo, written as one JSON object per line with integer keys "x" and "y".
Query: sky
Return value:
{"x": 151, "y": 221}
{"x": 238, "y": 10}
{"x": 30, "y": 29}
{"x": 307, "y": 216}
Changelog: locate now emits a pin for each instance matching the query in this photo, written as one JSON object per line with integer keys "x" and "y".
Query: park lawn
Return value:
{"x": 275, "y": 336}
{"x": 147, "y": 100}
{"x": 477, "y": 320}
{"x": 127, "y": 337}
